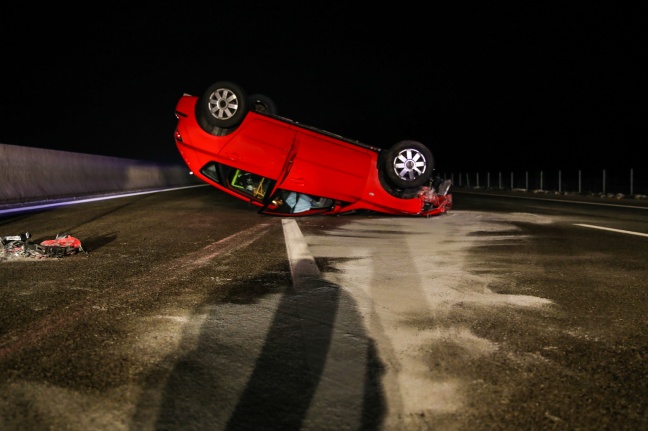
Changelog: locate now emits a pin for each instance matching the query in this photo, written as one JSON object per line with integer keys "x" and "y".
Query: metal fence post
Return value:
{"x": 538, "y": 179}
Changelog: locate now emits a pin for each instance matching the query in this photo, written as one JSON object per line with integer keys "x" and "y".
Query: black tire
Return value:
{"x": 223, "y": 105}
{"x": 262, "y": 103}
{"x": 408, "y": 164}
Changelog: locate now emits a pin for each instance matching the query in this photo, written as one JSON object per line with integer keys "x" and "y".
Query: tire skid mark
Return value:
{"x": 150, "y": 282}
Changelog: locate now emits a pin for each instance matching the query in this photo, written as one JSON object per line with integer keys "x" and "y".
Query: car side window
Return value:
{"x": 248, "y": 183}
{"x": 290, "y": 202}
{"x": 298, "y": 202}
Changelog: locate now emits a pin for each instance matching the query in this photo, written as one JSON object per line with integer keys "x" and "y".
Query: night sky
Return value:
{"x": 486, "y": 85}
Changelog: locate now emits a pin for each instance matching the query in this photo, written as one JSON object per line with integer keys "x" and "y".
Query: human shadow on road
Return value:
{"x": 316, "y": 369}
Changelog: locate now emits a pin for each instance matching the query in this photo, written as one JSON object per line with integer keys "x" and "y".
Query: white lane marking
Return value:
{"x": 555, "y": 200}
{"x": 302, "y": 263}
{"x": 629, "y": 232}
{"x": 334, "y": 343}
{"x": 43, "y": 204}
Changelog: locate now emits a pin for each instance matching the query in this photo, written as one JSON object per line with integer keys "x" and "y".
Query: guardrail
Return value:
{"x": 34, "y": 174}
{"x": 618, "y": 183}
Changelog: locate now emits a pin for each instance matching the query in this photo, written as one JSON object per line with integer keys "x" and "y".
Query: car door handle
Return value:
{"x": 233, "y": 156}
{"x": 298, "y": 181}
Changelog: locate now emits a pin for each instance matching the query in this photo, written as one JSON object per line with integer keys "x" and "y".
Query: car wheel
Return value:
{"x": 262, "y": 103}
{"x": 408, "y": 164}
{"x": 223, "y": 105}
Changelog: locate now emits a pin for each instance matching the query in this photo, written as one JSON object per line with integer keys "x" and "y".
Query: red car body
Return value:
{"x": 264, "y": 157}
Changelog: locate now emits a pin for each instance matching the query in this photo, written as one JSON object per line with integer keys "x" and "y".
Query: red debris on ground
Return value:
{"x": 19, "y": 246}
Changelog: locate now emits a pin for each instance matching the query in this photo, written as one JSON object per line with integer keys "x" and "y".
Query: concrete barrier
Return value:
{"x": 35, "y": 174}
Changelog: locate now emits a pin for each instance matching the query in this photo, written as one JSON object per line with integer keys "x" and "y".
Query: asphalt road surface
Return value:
{"x": 189, "y": 310}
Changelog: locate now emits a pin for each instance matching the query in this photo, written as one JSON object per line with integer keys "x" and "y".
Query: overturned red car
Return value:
{"x": 238, "y": 144}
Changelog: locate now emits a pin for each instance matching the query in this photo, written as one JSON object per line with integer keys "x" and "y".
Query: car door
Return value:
{"x": 260, "y": 145}
{"x": 327, "y": 167}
